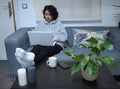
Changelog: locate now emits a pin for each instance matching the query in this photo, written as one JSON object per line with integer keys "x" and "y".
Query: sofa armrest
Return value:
{"x": 14, "y": 40}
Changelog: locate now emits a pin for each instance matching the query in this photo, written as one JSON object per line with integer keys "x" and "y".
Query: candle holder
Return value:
{"x": 22, "y": 77}
{"x": 31, "y": 74}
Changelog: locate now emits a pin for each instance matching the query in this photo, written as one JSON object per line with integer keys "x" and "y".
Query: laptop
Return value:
{"x": 40, "y": 37}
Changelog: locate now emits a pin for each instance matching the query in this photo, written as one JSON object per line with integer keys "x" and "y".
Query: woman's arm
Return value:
{"x": 62, "y": 34}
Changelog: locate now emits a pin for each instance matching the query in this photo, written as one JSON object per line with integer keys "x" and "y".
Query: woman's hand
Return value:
{"x": 54, "y": 38}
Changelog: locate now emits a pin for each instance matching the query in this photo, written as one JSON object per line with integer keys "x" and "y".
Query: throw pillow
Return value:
{"x": 98, "y": 34}
{"x": 81, "y": 35}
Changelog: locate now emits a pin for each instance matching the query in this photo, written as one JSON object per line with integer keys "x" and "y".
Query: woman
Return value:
{"x": 39, "y": 53}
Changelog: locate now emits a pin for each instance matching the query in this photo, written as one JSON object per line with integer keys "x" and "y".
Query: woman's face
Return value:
{"x": 48, "y": 16}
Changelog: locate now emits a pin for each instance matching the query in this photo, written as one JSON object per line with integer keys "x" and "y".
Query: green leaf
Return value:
{"x": 98, "y": 63}
{"x": 75, "y": 68}
{"x": 92, "y": 41}
{"x": 69, "y": 53}
{"x": 84, "y": 62}
{"x": 100, "y": 46}
{"x": 91, "y": 69}
{"x": 108, "y": 46}
{"x": 78, "y": 57}
{"x": 109, "y": 61}
{"x": 84, "y": 45}
{"x": 96, "y": 50}
{"x": 78, "y": 66}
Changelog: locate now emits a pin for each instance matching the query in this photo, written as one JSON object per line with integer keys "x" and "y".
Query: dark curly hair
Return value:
{"x": 53, "y": 11}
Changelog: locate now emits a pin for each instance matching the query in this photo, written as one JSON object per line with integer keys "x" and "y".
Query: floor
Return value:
{"x": 5, "y": 79}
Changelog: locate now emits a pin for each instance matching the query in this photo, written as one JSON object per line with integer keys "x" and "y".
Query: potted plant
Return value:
{"x": 89, "y": 64}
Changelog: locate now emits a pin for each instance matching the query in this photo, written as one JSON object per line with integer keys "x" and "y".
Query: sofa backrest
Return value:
{"x": 70, "y": 36}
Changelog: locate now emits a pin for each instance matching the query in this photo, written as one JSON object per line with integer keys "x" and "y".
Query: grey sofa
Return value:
{"x": 20, "y": 39}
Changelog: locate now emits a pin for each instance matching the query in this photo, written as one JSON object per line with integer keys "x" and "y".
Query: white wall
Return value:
{"x": 107, "y": 13}
{"x": 6, "y": 27}
{"x": 24, "y": 17}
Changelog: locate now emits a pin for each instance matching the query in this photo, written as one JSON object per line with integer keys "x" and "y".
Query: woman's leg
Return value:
{"x": 37, "y": 49}
{"x": 46, "y": 52}
{"x": 38, "y": 54}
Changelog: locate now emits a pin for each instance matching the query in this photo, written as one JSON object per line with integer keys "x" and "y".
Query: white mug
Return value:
{"x": 52, "y": 62}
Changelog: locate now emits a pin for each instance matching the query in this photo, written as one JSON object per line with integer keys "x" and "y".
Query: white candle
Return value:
{"x": 22, "y": 78}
